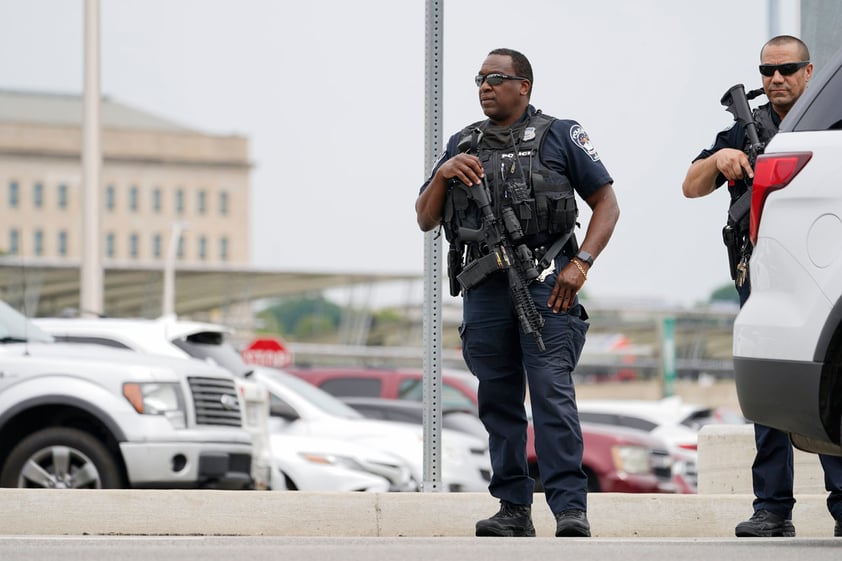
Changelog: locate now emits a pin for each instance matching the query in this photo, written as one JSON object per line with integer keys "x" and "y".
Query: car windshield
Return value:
{"x": 314, "y": 395}
{"x": 15, "y": 328}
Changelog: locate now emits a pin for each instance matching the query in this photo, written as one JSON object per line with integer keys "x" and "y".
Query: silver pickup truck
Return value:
{"x": 85, "y": 416}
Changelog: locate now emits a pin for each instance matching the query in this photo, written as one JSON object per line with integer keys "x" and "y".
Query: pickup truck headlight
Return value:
{"x": 631, "y": 459}
{"x": 157, "y": 398}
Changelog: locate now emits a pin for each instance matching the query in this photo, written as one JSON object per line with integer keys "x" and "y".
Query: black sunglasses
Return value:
{"x": 495, "y": 79}
{"x": 786, "y": 69}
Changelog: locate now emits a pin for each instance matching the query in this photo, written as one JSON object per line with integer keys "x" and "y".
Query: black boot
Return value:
{"x": 510, "y": 521}
{"x": 765, "y": 524}
{"x": 572, "y": 524}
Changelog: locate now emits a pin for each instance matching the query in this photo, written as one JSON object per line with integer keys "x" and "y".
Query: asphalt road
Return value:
{"x": 200, "y": 548}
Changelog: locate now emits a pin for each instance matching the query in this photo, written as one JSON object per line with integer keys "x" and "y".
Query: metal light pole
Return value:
{"x": 91, "y": 275}
{"x": 432, "y": 258}
{"x": 168, "y": 297}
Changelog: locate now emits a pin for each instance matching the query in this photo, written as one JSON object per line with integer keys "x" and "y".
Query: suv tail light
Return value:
{"x": 772, "y": 172}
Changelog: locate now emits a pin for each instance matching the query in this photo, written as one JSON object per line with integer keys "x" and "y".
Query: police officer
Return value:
{"x": 785, "y": 69}
{"x": 528, "y": 162}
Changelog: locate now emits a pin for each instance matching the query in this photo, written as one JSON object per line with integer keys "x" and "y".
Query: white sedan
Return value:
{"x": 298, "y": 407}
{"x": 308, "y": 463}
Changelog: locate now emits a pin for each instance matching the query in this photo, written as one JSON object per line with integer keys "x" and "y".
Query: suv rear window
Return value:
{"x": 452, "y": 397}
{"x": 352, "y": 387}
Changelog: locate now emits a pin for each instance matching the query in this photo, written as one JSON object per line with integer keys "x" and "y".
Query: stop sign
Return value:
{"x": 267, "y": 351}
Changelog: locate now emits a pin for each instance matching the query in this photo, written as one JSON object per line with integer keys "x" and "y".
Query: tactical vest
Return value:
{"x": 542, "y": 199}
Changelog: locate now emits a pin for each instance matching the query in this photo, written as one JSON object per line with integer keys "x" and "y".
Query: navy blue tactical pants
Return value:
{"x": 772, "y": 470}
{"x": 505, "y": 360}
{"x": 772, "y": 474}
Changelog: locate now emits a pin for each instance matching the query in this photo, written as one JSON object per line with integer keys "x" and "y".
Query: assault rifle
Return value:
{"x": 736, "y": 101}
{"x": 516, "y": 261}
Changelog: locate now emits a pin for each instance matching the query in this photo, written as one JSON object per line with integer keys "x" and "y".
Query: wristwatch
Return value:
{"x": 585, "y": 257}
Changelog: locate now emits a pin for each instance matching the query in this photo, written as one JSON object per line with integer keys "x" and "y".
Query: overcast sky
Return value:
{"x": 331, "y": 95}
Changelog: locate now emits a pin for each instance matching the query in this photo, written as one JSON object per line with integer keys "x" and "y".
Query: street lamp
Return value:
{"x": 168, "y": 298}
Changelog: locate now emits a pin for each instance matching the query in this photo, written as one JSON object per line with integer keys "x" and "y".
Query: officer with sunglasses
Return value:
{"x": 531, "y": 164}
{"x": 785, "y": 69}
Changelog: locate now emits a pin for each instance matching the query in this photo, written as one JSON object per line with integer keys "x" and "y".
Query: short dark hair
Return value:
{"x": 519, "y": 62}
{"x": 803, "y": 51}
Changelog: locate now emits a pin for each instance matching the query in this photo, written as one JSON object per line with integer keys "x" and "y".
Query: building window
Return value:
{"x": 179, "y": 201}
{"x": 223, "y": 203}
{"x": 110, "y": 196}
{"x": 223, "y": 249}
{"x": 39, "y": 242}
{"x": 133, "y": 246}
{"x": 62, "y": 243}
{"x": 133, "y": 198}
{"x": 201, "y": 203}
{"x": 203, "y": 248}
{"x": 14, "y": 241}
{"x": 38, "y": 195}
{"x": 156, "y": 200}
{"x": 180, "y": 253}
{"x": 14, "y": 194}
{"x": 109, "y": 245}
{"x": 62, "y": 196}
{"x": 156, "y": 246}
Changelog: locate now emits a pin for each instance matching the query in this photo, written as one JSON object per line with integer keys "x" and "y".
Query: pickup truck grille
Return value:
{"x": 216, "y": 401}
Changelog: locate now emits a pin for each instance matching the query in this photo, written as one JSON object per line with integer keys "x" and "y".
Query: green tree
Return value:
{"x": 725, "y": 293}
{"x": 302, "y": 317}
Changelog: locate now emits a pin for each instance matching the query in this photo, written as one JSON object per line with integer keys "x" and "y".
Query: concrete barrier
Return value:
{"x": 725, "y": 455}
{"x": 290, "y": 513}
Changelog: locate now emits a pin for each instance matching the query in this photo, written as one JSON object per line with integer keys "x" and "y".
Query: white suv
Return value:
{"x": 788, "y": 336}
{"x": 83, "y": 416}
{"x": 169, "y": 336}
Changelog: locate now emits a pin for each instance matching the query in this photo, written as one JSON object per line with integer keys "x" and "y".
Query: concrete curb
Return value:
{"x": 267, "y": 513}
{"x": 724, "y": 499}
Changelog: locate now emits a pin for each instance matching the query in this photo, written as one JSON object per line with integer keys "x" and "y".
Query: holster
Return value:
{"x": 732, "y": 243}
{"x": 454, "y": 267}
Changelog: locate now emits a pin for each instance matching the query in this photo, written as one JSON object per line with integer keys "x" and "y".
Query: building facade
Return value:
{"x": 158, "y": 178}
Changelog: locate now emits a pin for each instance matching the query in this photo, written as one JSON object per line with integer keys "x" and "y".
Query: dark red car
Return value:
{"x": 616, "y": 460}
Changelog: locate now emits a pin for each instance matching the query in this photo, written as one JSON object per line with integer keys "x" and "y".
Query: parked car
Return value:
{"x": 406, "y": 411}
{"x": 309, "y": 463}
{"x": 170, "y": 336}
{"x": 459, "y": 391}
{"x": 616, "y": 460}
{"x": 671, "y": 419}
{"x": 459, "y": 388}
{"x": 300, "y": 408}
{"x": 82, "y": 416}
{"x": 675, "y": 422}
{"x": 788, "y": 335}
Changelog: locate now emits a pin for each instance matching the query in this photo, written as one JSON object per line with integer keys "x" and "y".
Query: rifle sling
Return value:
{"x": 741, "y": 207}
{"x": 553, "y": 250}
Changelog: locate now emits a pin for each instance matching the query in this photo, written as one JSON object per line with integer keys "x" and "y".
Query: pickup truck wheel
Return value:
{"x": 60, "y": 458}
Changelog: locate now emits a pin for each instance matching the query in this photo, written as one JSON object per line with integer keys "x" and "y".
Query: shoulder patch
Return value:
{"x": 438, "y": 161}
{"x": 583, "y": 141}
